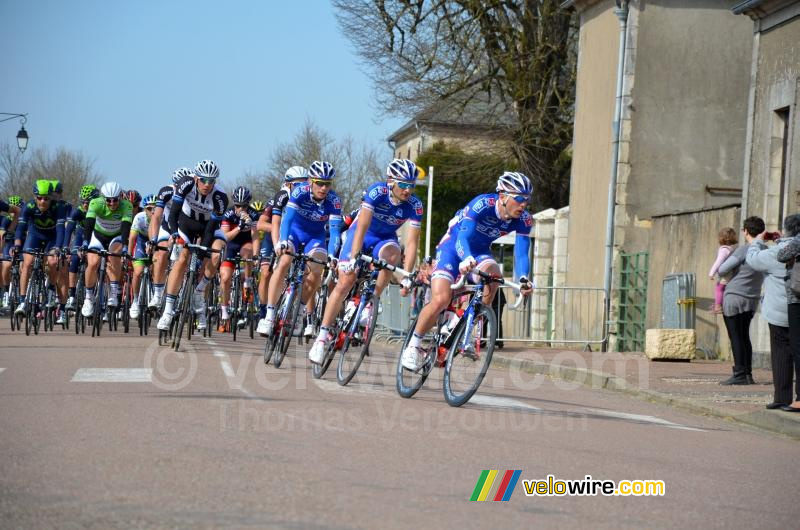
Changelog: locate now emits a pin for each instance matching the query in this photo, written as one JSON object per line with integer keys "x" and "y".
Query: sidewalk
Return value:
{"x": 692, "y": 386}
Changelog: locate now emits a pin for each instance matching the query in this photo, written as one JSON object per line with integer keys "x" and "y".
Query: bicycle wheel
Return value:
{"x": 185, "y": 310}
{"x": 97, "y": 316}
{"x": 350, "y": 359}
{"x": 408, "y": 382}
{"x": 467, "y": 364}
{"x": 235, "y": 304}
{"x": 287, "y": 325}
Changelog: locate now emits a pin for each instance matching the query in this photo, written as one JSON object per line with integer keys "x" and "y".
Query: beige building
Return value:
{"x": 686, "y": 80}
{"x": 471, "y": 131}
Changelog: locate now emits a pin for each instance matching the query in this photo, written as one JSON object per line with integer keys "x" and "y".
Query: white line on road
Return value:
{"x": 641, "y": 418}
{"x": 501, "y": 402}
{"x": 113, "y": 375}
{"x": 225, "y": 362}
{"x": 2, "y": 370}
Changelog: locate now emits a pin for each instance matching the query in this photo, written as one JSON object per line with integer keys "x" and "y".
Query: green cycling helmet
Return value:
{"x": 89, "y": 192}
{"x": 15, "y": 200}
{"x": 42, "y": 187}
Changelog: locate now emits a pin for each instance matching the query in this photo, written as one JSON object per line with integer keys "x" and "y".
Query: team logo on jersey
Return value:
{"x": 528, "y": 219}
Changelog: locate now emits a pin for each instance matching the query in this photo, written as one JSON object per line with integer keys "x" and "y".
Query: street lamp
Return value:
{"x": 22, "y": 135}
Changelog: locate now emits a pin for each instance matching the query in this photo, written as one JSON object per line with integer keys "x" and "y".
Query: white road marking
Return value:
{"x": 225, "y": 362}
{"x": 642, "y": 418}
{"x": 501, "y": 402}
{"x": 113, "y": 375}
{"x": 2, "y": 370}
{"x": 211, "y": 342}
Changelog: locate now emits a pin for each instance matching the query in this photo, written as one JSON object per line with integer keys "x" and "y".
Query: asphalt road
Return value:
{"x": 117, "y": 432}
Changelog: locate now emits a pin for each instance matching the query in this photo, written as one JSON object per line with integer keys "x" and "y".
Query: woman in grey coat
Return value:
{"x": 774, "y": 309}
{"x": 787, "y": 253}
{"x": 739, "y": 304}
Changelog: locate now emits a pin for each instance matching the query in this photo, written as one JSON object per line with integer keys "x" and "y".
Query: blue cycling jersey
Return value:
{"x": 475, "y": 226}
{"x": 48, "y": 223}
{"x": 386, "y": 216}
{"x": 311, "y": 216}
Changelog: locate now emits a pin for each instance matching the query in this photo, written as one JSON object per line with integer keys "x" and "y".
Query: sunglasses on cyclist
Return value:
{"x": 42, "y": 198}
{"x": 240, "y": 205}
{"x": 322, "y": 183}
{"x": 207, "y": 180}
{"x": 112, "y": 200}
{"x": 405, "y": 185}
{"x": 521, "y": 198}
{"x": 149, "y": 208}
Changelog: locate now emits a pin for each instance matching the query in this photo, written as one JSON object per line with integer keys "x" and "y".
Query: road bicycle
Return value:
{"x": 357, "y": 327}
{"x": 464, "y": 336}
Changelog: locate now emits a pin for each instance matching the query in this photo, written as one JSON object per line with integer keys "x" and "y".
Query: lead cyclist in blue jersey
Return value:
{"x": 385, "y": 206}
{"x": 311, "y": 207}
{"x": 466, "y": 246}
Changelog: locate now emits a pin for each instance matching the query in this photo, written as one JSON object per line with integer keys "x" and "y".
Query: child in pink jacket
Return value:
{"x": 727, "y": 244}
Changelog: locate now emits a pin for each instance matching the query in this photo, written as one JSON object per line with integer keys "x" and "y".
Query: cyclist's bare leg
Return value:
{"x": 312, "y": 279}
{"x": 90, "y": 275}
{"x": 225, "y": 279}
{"x": 25, "y": 272}
{"x": 337, "y": 296}
{"x": 441, "y": 295}
{"x": 114, "y": 263}
{"x": 138, "y": 269}
{"x": 277, "y": 279}
{"x": 490, "y": 267}
{"x": 176, "y": 274}
{"x": 391, "y": 255}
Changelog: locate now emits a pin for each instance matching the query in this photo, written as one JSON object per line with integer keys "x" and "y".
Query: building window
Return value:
{"x": 777, "y": 185}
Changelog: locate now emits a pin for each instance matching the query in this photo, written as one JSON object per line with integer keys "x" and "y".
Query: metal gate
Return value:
{"x": 631, "y": 324}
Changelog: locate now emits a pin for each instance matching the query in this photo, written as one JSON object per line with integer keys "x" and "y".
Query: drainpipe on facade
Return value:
{"x": 622, "y": 14}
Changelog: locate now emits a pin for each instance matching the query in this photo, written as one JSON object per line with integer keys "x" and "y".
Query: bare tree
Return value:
{"x": 500, "y": 58}
{"x": 18, "y": 173}
{"x": 356, "y": 164}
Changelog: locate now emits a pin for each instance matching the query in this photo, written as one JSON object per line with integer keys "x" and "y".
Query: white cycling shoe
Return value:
{"x": 164, "y": 322}
{"x": 265, "y": 326}
{"x": 201, "y": 320}
{"x": 317, "y": 353}
{"x": 413, "y": 358}
{"x": 134, "y": 311}
{"x": 88, "y": 307}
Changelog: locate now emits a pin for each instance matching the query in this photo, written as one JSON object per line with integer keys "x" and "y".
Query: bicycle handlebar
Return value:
{"x": 106, "y": 253}
{"x": 381, "y": 264}
{"x": 517, "y": 287}
{"x": 305, "y": 257}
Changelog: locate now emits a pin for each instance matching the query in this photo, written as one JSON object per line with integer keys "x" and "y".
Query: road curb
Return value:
{"x": 770, "y": 420}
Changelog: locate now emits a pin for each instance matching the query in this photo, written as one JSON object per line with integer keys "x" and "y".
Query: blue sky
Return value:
{"x": 144, "y": 87}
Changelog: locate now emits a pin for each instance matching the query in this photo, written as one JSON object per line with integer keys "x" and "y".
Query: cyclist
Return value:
{"x": 197, "y": 208}
{"x": 135, "y": 199}
{"x": 269, "y": 222}
{"x": 238, "y": 225}
{"x": 159, "y": 233}
{"x": 8, "y": 224}
{"x": 466, "y": 245}
{"x": 40, "y": 227}
{"x": 73, "y": 237}
{"x": 107, "y": 226}
{"x": 137, "y": 241}
{"x": 384, "y": 209}
{"x": 311, "y": 206}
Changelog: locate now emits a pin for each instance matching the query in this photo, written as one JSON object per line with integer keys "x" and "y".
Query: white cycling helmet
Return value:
{"x": 180, "y": 174}
{"x": 321, "y": 171}
{"x": 295, "y": 173}
{"x": 111, "y": 189}
{"x": 512, "y": 182}
{"x": 206, "y": 169}
{"x": 402, "y": 169}
{"x": 242, "y": 196}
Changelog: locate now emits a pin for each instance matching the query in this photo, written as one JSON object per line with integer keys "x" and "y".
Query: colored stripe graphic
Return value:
{"x": 487, "y": 485}
{"x": 512, "y": 484}
{"x": 503, "y": 485}
{"x": 479, "y": 485}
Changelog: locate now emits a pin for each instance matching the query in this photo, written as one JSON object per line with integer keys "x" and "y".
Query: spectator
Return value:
{"x": 788, "y": 254}
{"x": 727, "y": 244}
{"x": 739, "y": 304}
{"x": 774, "y": 308}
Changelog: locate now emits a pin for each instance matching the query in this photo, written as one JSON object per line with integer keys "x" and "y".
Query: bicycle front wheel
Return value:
{"x": 287, "y": 328}
{"x": 356, "y": 343}
{"x": 468, "y": 360}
